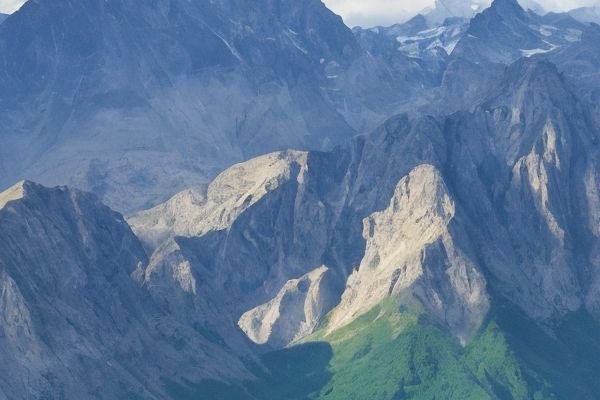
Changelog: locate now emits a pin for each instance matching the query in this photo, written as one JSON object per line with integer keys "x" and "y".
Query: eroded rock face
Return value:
{"x": 219, "y": 255}
{"x": 294, "y": 313}
{"x": 410, "y": 249}
{"x": 400, "y": 212}
{"x": 64, "y": 277}
{"x": 74, "y": 321}
{"x": 505, "y": 32}
{"x": 193, "y": 213}
{"x": 236, "y": 80}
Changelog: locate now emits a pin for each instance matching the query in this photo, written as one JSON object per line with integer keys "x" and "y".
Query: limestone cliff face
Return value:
{"x": 193, "y": 213}
{"x": 488, "y": 191}
{"x": 249, "y": 241}
{"x": 410, "y": 249}
{"x": 65, "y": 270}
{"x": 450, "y": 213}
{"x": 294, "y": 313}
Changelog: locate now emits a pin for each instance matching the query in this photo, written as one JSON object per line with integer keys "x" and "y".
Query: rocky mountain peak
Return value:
{"x": 527, "y": 76}
{"x": 410, "y": 250}
{"x": 507, "y": 8}
{"x": 505, "y": 32}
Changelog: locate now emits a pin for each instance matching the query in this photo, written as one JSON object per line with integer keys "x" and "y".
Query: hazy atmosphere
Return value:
{"x": 258, "y": 200}
{"x": 376, "y": 12}
{"x": 386, "y": 12}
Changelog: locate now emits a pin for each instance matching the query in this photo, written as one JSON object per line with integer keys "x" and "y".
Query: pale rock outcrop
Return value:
{"x": 293, "y": 314}
{"x": 410, "y": 249}
{"x": 192, "y": 213}
{"x": 13, "y": 193}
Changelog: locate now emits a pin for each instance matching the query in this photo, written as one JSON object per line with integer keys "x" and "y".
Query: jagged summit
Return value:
{"x": 506, "y": 7}
{"x": 539, "y": 79}
{"x": 194, "y": 213}
{"x": 506, "y": 32}
{"x": 72, "y": 306}
{"x": 235, "y": 79}
{"x": 22, "y": 190}
{"x": 470, "y": 216}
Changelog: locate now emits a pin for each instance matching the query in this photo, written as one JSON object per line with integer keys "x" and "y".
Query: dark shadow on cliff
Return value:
{"x": 567, "y": 356}
{"x": 292, "y": 374}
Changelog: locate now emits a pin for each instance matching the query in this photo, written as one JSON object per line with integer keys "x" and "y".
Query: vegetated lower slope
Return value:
{"x": 395, "y": 352}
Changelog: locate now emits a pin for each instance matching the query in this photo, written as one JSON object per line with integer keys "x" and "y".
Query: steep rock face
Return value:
{"x": 510, "y": 162}
{"x": 74, "y": 321}
{"x": 86, "y": 100}
{"x": 239, "y": 246}
{"x": 527, "y": 182}
{"x": 579, "y": 62}
{"x": 505, "y": 32}
{"x": 294, "y": 313}
{"x": 58, "y": 267}
{"x": 250, "y": 71}
{"x": 410, "y": 250}
{"x": 192, "y": 213}
{"x": 309, "y": 218}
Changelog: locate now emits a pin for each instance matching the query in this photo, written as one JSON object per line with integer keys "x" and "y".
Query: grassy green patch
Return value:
{"x": 394, "y": 353}
{"x": 388, "y": 354}
{"x": 391, "y": 355}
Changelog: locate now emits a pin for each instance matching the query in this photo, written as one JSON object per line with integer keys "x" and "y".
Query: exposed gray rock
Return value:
{"x": 100, "y": 110}
{"x": 509, "y": 162}
{"x": 496, "y": 197}
{"x": 506, "y": 32}
{"x": 294, "y": 313}
{"x": 72, "y": 317}
{"x": 192, "y": 213}
{"x": 411, "y": 250}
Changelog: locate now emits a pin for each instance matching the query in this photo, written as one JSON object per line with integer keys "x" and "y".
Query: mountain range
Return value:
{"x": 135, "y": 103}
{"x": 435, "y": 236}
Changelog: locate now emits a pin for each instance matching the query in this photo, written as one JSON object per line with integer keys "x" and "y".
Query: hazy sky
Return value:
{"x": 374, "y": 12}
{"x": 386, "y": 12}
